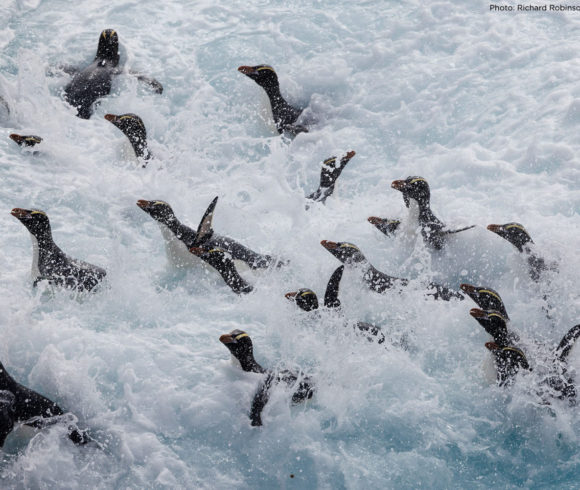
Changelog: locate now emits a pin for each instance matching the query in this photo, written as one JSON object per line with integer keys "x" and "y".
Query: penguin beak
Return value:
{"x": 468, "y": 288}
{"x": 20, "y": 213}
{"x": 329, "y": 245}
{"x": 399, "y": 185}
{"x": 477, "y": 313}
{"x": 227, "y": 339}
{"x": 349, "y": 155}
{"x": 374, "y": 220}
{"x": 492, "y": 346}
{"x": 291, "y": 296}
{"x": 247, "y": 70}
{"x": 17, "y": 138}
{"x": 112, "y": 118}
{"x": 198, "y": 251}
{"x": 495, "y": 228}
{"x": 143, "y": 204}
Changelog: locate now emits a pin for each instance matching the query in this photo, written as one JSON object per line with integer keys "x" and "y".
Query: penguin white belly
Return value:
{"x": 410, "y": 226}
{"x": 35, "y": 272}
{"x": 177, "y": 253}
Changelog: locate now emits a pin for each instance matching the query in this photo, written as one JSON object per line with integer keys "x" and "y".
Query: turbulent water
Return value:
{"x": 484, "y": 105}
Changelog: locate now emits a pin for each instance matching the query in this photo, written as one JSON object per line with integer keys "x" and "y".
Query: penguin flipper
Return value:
{"x": 565, "y": 346}
{"x": 205, "y": 229}
{"x": 450, "y": 232}
{"x": 295, "y": 129}
{"x": 151, "y": 82}
{"x": 260, "y": 399}
{"x": 331, "y": 295}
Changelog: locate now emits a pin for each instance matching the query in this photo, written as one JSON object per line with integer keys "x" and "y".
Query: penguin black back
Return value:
{"x": 494, "y": 323}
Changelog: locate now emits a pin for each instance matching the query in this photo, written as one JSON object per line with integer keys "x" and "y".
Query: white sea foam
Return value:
{"x": 483, "y": 105}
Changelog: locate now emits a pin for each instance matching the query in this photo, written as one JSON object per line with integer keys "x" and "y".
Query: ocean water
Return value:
{"x": 484, "y": 105}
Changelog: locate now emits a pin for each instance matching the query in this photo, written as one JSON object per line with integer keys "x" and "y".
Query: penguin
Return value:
{"x": 49, "y": 262}
{"x": 307, "y": 300}
{"x": 240, "y": 346}
{"x": 22, "y": 405}
{"x": 94, "y": 81}
{"x": 284, "y": 114}
{"x": 179, "y": 238}
{"x": 25, "y": 141}
{"x": 131, "y": 125}
{"x": 376, "y": 280}
{"x": 329, "y": 174}
{"x": 417, "y": 196}
{"x": 509, "y": 359}
{"x": 518, "y": 236}
{"x": 220, "y": 261}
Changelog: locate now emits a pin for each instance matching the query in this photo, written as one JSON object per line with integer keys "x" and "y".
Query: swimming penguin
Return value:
{"x": 23, "y": 405}
{"x": 285, "y": 115}
{"x": 417, "y": 196}
{"x": 131, "y": 125}
{"x": 49, "y": 262}
{"x": 377, "y": 281}
{"x": 28, "y": 141}
{"x": 220, "y": 261}
{"x": 307, "y": 300}
{"x": 518, "y": 236}
{"x": 94, "y": 81}
{"x": 508, "y": 361}
{"x": 179, "y": 238}
{"x": 240, "y": 346}
{"x": 329, "y": 174}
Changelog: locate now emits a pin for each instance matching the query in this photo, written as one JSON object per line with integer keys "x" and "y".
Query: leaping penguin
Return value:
{"x": 93, "y": 82}
{"x": 376, "y": 280}
{"x": 22, "y": 405}
{"x": 417, "y": 197}
{"x": 307, "y": 300}
{"x": 240, "y": 346}
{"x": 179, "y": 238}
{"x": 131, "y": 125}
{"x": 518, "y": 236}
{"x": 49, "y": 262}
{"x": 329, "y": 174}
{"x": 285, "y": 116}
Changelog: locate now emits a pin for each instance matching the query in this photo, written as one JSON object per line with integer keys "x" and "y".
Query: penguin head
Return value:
{"x": 35, "y": 220}
{"x": 108, "y": 48}
{"x": 486, "y": 298}
{"x": 305, "y": 299}
{"x": 22, "y": 140}
{"x": 158, "y": 210}
{"x": 514, "y": 233}
{"x": 508, "y": 361}
{"x": 131, "y": 125}
{"x": 347, "y": 253}
{"x": 494, "y": 323}
{"x": 263, "y": 75}
{"x": 240, "y": 346}
{"x": 415, "y": 188}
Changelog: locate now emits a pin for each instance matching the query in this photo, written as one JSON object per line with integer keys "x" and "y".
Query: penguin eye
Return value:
{"x": 160, "y": 203}
{"x": 498, "y": 316}
{"x": 419, "y": 179}
{"x": 242, "y": 335}
{"x": 38, "y": 212}
{"x": 306, "y": 293}
{"x": 330, "y": 162}
{"x": 265, "y": 67}
{"x": 516, "y": 225}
